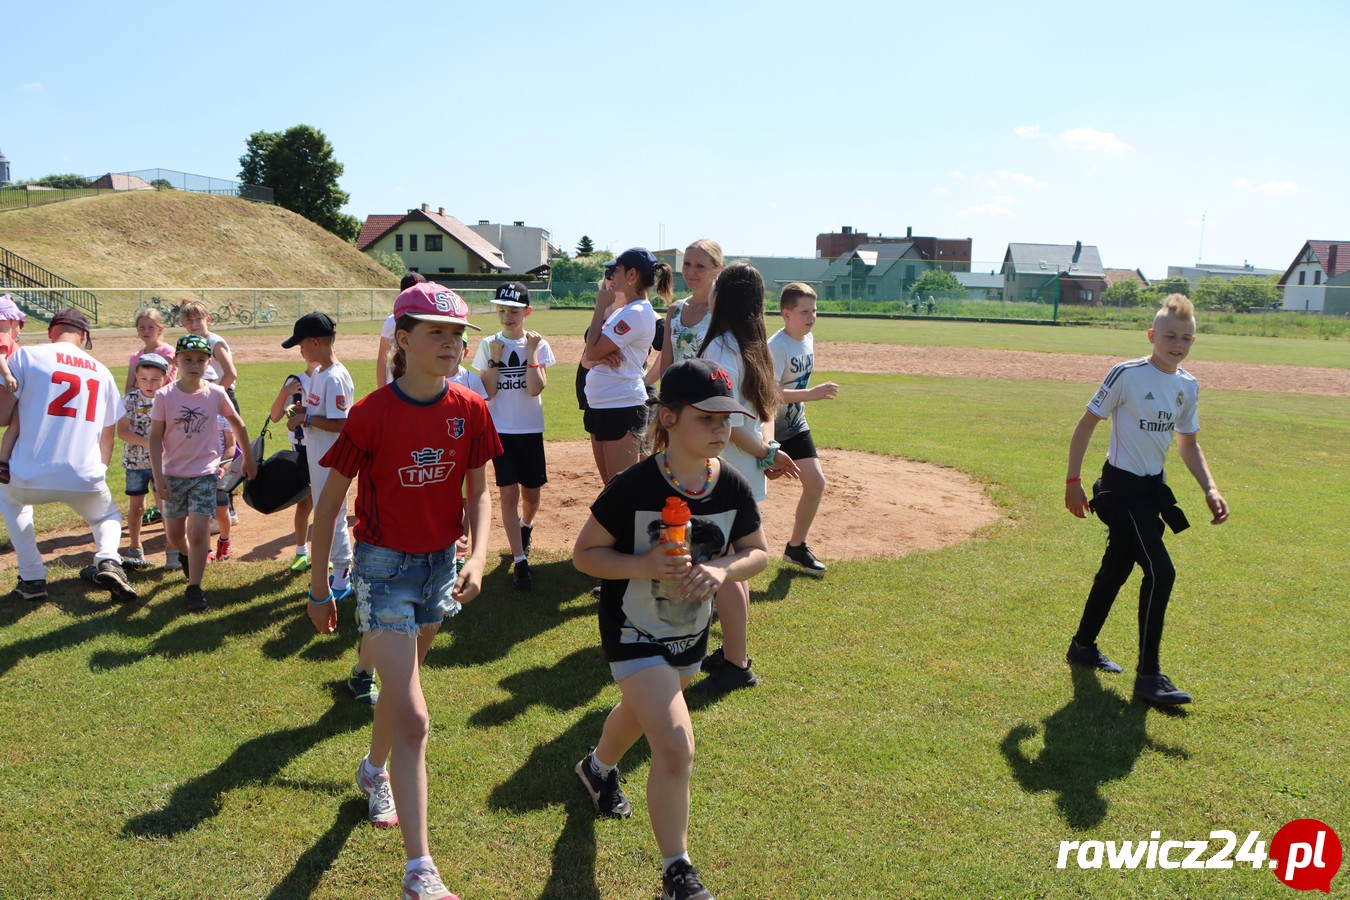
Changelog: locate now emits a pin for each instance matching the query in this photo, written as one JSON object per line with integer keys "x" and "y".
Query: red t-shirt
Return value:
{"x": 412, "y": 459}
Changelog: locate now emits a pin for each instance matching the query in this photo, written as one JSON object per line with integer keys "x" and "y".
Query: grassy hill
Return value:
{"x": 174, "y": 239}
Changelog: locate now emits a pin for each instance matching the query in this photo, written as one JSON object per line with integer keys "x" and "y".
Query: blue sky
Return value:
{"x": 757, "y": 124}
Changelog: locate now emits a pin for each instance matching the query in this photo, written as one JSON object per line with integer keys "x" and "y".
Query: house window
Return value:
{"x": 1317, "y": 277}
{"x": 434, "y": 243}
{"x": 1085, "y": 296}
{"x": 412, "y": 243}
{"x": 872, "y": 291}
{"x": 1302, "y": 277}
{"x": 1031, "y": 293}
{"x": 446, "y": 270}
{"x": 398, "y": 243}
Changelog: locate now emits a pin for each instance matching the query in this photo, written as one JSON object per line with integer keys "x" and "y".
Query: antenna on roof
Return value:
{"x": 1200, "y": 257}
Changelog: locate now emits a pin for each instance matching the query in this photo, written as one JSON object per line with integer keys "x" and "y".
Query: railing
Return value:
{"x": 51, "y": 293}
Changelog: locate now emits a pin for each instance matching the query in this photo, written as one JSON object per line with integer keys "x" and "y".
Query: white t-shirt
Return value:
{"x": 727, "y": 353}
{"x": 469, "y": 379}
{"x": 66, "y": 399}
{"x": 1145, "y": 405}
{"x": 632, "y": 329}
{"x": 298, "y": 440}
{"x": 330, "y": 396}
{"x": 514, "y": 411}
{"x": 387, "y": 332}
{"x": 215, "y": 341}
{"x": 793, "y": 362}
{"x": 686, "y": 339}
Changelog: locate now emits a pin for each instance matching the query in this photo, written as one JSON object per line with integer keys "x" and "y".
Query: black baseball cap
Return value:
{"x": 409, "y": 280}
{"x": 72, "y": 317}
{"x": 315, "y": 324}
{"x": 513, "y": 293}
{"x": 639, "y": 258}
{"x": 702, "y": 384}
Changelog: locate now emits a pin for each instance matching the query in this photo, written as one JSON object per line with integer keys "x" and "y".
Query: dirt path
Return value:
{"x": 956, "y": 362}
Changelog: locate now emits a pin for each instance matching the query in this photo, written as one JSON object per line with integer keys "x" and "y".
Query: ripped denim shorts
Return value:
{"x": 397, "y": 591}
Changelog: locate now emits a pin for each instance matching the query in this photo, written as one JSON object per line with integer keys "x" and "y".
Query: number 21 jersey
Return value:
{"x": 66, "y": 399}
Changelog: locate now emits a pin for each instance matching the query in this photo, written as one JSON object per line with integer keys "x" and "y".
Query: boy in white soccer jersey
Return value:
{"x": 794, "y": 357}
{"x": 513, "y": 363}
{"x": 67, "y": 401}
{"x": 1147, "y": 400}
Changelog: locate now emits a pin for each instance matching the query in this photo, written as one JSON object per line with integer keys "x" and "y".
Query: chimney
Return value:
{"x": 426, "y": 208}
{"x": 909, "y": 231}
{"x": 847, "y": 229}
{"x": 440, "y": 210}
{"x": 1331, "y": 260}
{"x": 483, "y": 222}
{"x": 520, "y": 224}
{"x": 1077, "y": 248}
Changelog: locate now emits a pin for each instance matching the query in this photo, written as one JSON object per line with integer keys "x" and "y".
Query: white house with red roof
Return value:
{"x": 1305, "y": 281}
{"x": 432, "y": 243}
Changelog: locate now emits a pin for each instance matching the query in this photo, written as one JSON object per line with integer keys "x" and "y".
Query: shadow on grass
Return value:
{"x": 781, "y": 584}
{"x": 258, "y": 761}
{"x": 501, "y": 617}
{"x": 1093, "y": 739}
{"x": 303, "y": 878}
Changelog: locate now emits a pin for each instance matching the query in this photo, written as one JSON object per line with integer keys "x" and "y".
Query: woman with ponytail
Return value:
{"x": 617, "y": 344}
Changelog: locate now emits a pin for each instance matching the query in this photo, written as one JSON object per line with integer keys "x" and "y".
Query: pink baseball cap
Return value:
{"x": 432, "y": 302}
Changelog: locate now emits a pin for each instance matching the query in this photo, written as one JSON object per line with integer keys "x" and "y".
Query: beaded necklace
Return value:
{"x": 707, "y": 483}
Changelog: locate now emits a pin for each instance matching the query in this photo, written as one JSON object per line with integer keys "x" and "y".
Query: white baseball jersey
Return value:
{"x": 1145, "y": 405}
{"x": 514, "y": 411}
{"x": 66, "y": 399}
{"x": 330, "y": 396}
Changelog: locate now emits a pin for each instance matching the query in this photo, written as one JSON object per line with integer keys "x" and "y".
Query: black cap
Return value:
{"x": 315, "y": 324}
{"x": 72, "y": 317}
{"x": 513, "y": 293}
{"x": 409, "y": 280}
{"x": 639, "y": 258}
{"x": 702, "y": 384}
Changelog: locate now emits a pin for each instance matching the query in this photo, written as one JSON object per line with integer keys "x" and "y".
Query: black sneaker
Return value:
{"x": 605, "y": 792}
{"x": 362, "y": 686}
{"x": 1091, "y": 657}
{"x": 713, "y": 660}
{"x": 1159, "y": 689}
{"x": 802, "y": 556}
{"x": 196, "y": 598}
{"x": 109, "y": 574}
{"x": 521, "y": 579}
{"x": 34, "y": 590}
{"x": 595, "y": 592}
{"x": 525, "y": 532}
{"x": 681, "y": 882}
{"x": 728, "y": 677}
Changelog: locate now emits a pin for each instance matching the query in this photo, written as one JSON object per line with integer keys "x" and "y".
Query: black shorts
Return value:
{"x": 521, "y": 461}
{"x": 800, "y": 446}
{"x": 615, "y": 424}
{"x": 302, "y": 459}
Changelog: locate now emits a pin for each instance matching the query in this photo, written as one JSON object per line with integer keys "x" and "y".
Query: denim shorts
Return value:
{"x": 195, "y": 495}
{"x": 397, "y": 591}
{"x": 139, "y": 481}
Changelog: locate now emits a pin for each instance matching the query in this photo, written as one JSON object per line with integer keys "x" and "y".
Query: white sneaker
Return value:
{"x": 376, "y": 789}
{"x": 425, "y": 884}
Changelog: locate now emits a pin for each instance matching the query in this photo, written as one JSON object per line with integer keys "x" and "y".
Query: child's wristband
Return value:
{"x": 323, "y": 602}
{"x": 1073, "y": 480}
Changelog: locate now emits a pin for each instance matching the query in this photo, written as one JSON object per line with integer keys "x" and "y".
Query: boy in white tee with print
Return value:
{"x": 794, "y": 357}
{"x": 513, "y": 363}
{"x": 330, "y": 396}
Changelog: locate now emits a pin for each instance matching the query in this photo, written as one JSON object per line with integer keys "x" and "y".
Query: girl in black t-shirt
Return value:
{"x": 654, "y": 644}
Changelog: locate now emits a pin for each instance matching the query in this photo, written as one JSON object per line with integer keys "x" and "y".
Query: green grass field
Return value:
{"x": 917, "y": 732}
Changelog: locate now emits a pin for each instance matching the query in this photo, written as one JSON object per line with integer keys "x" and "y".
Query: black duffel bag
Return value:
{"x": 282, "y": 480}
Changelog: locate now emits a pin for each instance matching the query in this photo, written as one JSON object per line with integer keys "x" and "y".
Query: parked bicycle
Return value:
{"x": 230, "y": 310}
{"x": 266, "y": 313}
{"x": 168, "y": 307}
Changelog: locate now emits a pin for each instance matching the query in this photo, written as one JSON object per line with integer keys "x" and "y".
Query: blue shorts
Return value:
{"x": 397, "y": 591}
{"x": 139, "y": 481}
{"x": 195, "y": 495}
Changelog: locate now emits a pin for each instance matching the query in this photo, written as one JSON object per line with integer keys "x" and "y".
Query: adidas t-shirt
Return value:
{"x": 514, "y": 411}
{"x": 793, "y": 362}
{"x": 412, "y": 458}
{"x": 1145, "y": 405}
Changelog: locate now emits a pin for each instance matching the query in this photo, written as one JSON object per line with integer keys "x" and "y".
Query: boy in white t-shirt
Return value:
{"x": 1148, "y": 400}
{"x": 794, "y": 357}
{"x": 514, "y": 362}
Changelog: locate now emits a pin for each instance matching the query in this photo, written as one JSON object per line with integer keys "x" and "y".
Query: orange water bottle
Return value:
{"x": 674, "y": 530}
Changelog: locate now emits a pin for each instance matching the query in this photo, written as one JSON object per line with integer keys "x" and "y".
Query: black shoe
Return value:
{"x": 1091, "y": 657}
{"x": 196, "y": 598}
{"x": 1159, "y": 689}
{"x": 525, "y": 532}
{"x": 728, "y": 677}
{"x": 605, "y": 792}
{"x": 802, "y": 556}
{"x": 713, "y": 660}
{"x": 595, "y": 592}
{"x": 34, "y": 590}
{"x": 681, "y": 882}
{"x": 521, "y": 579}
{"x": 110, "y": 575}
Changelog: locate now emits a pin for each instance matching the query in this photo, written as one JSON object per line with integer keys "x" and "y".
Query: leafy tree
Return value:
{"x": 65, "y": 182}
{"x": 299, "y": 166}
{"x": 1122, "y": 293}
{"x": 1240, "y": 293}
{"x": 938, "y": 283}
{"x": 583, "y": 268}
{"x": 585, "y": 246}
{"x": 390, "y": 260}
{"x": 162, "y": 184}
{"x": 1174, "y": 285}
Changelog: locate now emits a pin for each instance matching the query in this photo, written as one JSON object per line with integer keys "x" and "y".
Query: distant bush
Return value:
{"x": 390, "y": 260}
